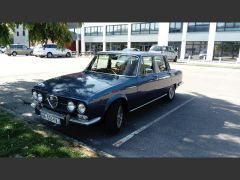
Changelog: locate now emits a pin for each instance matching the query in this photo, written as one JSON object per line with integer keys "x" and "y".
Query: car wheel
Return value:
{"x": 115, "y": 117}
{"x": 14, "y": 53}
{"x": 68, "y": 54}
{"x": 171, "y": 93}
{"x": 175, "y": 59}
{"x": 31, "y": 53}
{"x": 49, "y": 55}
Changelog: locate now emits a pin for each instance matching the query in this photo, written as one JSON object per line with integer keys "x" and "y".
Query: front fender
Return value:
{"x": 114, "y": 98}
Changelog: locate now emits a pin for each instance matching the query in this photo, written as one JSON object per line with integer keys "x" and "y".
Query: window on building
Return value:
{"x": 145, "y": 28}
{"x": 227, "y": 50}
{"x": 193, "y": 48}
{"x": 23, "y": 33}
{"x": 17, "y": 26}
{"x": 93, "y": 31}
{"x": 121, "y": 29}
{"x": 175, "y": 27}
{"x": 17, "y": 33}
{"x": 198, "y": 27}
{"x": 230, "y": 26}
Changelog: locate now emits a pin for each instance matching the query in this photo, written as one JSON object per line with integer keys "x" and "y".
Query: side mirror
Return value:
{"x": 148, "y": 71}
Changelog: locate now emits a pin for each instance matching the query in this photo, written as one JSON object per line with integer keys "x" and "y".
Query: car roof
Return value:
{"x": 138, "y": 53}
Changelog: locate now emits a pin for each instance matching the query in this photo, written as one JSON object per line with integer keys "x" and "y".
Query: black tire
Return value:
{"x": 171, "y": 93}
{"x": 68, "y": 54}
{"x": 175, "y": 59}
{"x": 14, "y": 53}
{"x": 49, "y": 55}
{"x": 31, "y": 53}
{"x": 112, "y": 123}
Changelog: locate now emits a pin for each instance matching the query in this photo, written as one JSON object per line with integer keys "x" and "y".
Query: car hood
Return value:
{"x": 82, "y": 85}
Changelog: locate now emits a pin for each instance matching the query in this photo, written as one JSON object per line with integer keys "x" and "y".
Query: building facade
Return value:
{"x": 21, "y": 35}
{"x": 217, "y": 39}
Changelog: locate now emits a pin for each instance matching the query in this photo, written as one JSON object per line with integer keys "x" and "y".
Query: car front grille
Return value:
{"x": 58, "y": 104}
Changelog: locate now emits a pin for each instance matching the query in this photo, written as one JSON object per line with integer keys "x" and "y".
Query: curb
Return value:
{"x": 230, "y": 66}
{"x": 74, "y": 141}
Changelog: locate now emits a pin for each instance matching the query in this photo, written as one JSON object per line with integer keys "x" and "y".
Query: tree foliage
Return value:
{"x": 5, "y": 32}
{"x": 56, "y": 32}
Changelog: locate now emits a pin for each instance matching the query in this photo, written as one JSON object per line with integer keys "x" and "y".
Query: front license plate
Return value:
{"x": 50, "y": 118}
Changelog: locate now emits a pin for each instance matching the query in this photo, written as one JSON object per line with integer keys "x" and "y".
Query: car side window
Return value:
{"x": 160, "y": 64}
{"x": 146, "y": 64}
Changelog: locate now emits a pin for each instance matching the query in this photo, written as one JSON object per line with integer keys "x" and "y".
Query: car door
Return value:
{"x": 20, "y": 49}
{"x": 147, "y": 80}
{"x": 164, "y": 77}
{"x": 25, "y": 50}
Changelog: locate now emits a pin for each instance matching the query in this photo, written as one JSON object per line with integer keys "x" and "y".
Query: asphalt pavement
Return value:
{"x": 202, "y": 121}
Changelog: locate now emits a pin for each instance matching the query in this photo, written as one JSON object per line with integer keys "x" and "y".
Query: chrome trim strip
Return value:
{"x": 147, "y": 103}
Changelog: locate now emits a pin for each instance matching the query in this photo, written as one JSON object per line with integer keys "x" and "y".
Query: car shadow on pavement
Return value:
{"x": 205, "y": 127}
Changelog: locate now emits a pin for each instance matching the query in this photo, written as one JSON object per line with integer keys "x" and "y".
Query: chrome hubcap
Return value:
{"x": 119, "y": 116}
{"x": 171, "y": 92}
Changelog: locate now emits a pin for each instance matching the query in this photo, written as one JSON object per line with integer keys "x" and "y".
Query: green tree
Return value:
{"x": 5, "y": 33}
{"x": 56, "y": 32}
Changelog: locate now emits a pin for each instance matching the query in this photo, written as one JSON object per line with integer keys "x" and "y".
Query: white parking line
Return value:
{"x": 128, "y": 137}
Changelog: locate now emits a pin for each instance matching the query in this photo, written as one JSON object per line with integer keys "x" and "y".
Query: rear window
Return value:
{"x": 50, "y": 46}
{"x": 157, "y": 48}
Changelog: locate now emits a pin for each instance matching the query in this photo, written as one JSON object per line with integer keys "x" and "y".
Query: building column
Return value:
{"x": 104, "y": 37}
{"x": 82, "y": 40}
{"x": 163, "y": 34}
{"x": 184, "y": 40}
{"x": 211, "y": 39}
{"x": 129, "y": 35}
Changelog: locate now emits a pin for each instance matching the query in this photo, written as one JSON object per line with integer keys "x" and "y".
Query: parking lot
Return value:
{"x": 202, "y": 121}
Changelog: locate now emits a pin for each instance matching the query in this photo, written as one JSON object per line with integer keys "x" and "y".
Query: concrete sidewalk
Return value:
{"x": 222, "y": 64}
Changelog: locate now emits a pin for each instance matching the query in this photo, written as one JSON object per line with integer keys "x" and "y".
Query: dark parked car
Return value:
{"x": 113, "y": 84}
{"x": 18, "y": 49}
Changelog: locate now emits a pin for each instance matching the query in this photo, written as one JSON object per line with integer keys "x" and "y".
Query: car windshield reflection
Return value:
{"x": 115, "y": 64}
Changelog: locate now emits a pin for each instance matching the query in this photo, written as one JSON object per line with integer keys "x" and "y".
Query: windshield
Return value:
{"x": 115, "y": 64}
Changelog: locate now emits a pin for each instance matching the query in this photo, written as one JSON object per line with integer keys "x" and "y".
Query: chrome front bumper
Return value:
{"x": 70, "y": 118}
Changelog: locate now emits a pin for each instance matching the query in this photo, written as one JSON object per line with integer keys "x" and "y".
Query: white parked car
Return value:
{"x": 167, "y": 51}
{"x": 51, "y": 50}
{"x": 203, "y": 54}
{"x": 2, "y": 49}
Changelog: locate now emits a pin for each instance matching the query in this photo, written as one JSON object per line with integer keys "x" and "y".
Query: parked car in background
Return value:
{"x": 167, "y": 51}
{"x": 18, "y": 49}
{"x": 2, "y": 49}
{"x": 51, "y": 50}
{"x": 113, "y": 84}
{"x": 130, "y": 49}
{"x": 203, "y": 54}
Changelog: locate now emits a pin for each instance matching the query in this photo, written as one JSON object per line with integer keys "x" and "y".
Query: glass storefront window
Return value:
{"x": 193, "y": 48}
{"x": 226, "y": 50}
{"x": 142, "y": 46}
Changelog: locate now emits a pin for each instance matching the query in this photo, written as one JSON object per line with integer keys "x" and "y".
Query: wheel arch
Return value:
{"x": 117, "y": 97}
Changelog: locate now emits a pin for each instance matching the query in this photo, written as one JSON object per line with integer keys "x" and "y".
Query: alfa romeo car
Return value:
{"x": 112, "y": 85}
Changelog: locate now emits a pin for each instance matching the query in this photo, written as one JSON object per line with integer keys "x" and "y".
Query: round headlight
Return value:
{"x": 34, "y": 94}
{"x": 39, "y": 97}
{"x": 81, "y": 108}
{"x": 70, "y": 106}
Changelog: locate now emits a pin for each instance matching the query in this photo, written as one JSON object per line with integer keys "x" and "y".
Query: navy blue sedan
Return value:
{"x": 113, "y": 84}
